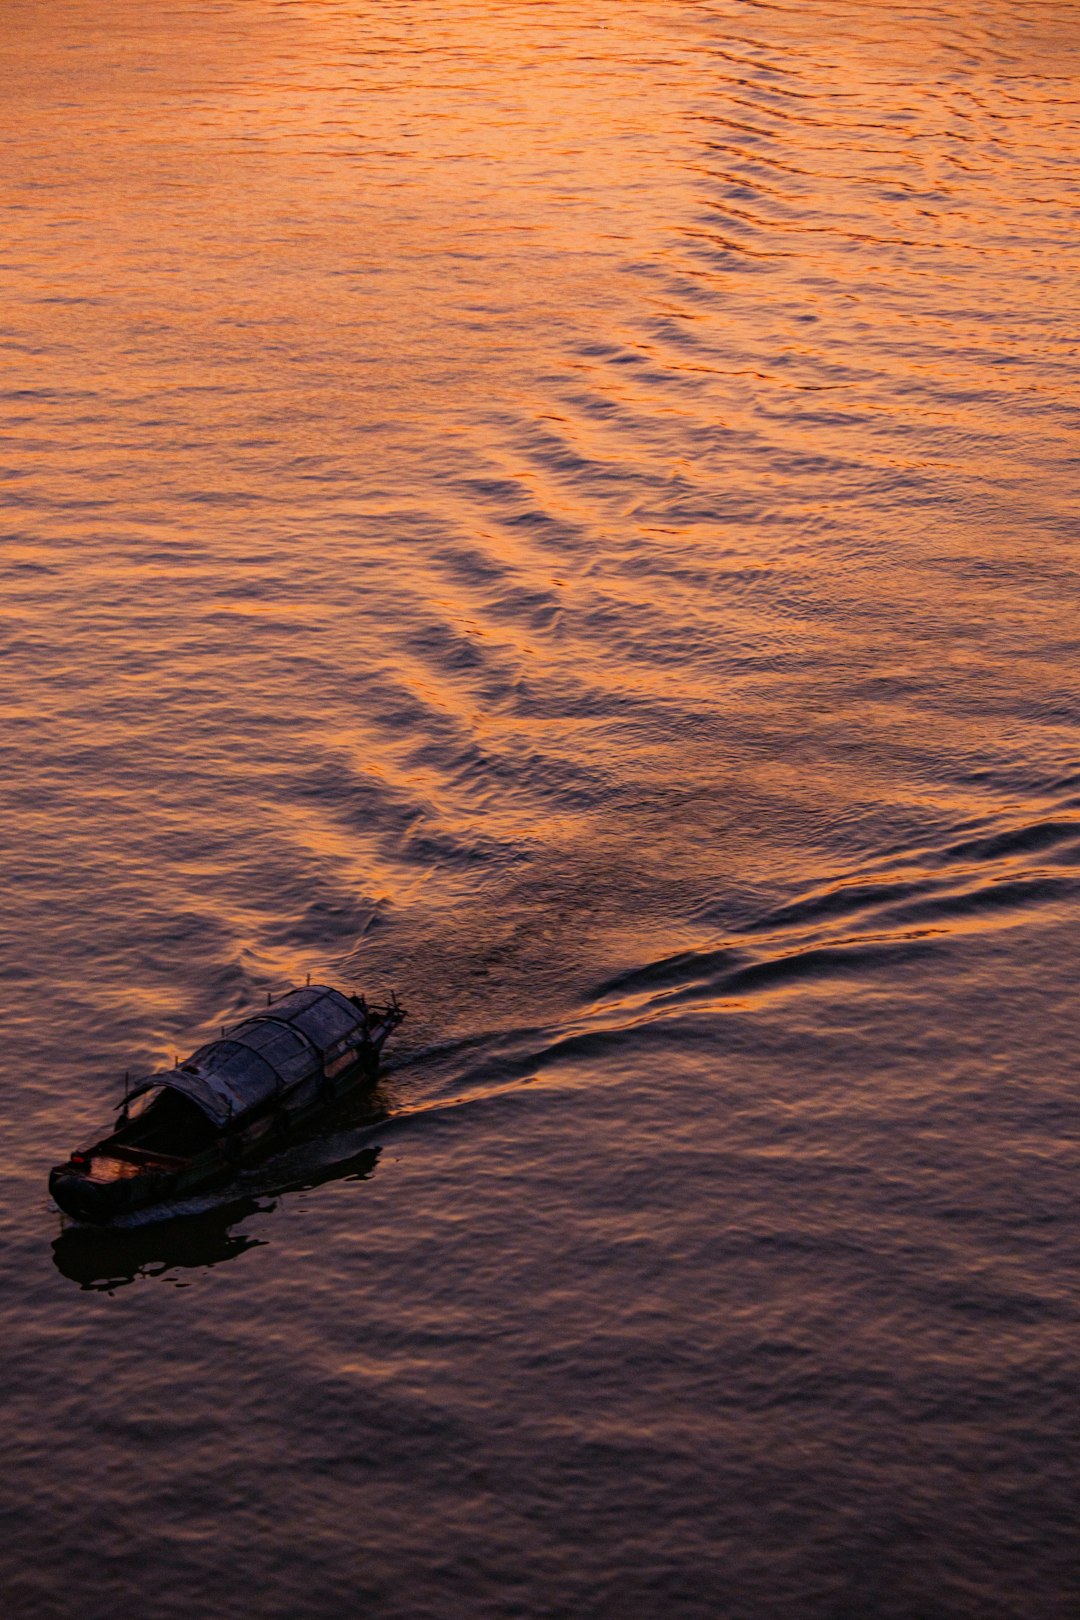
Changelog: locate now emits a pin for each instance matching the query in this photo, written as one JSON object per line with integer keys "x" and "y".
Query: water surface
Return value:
{"x": 566, "y": 511}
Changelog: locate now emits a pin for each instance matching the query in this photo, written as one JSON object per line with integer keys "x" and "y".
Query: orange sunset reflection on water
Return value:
{"x": 567, "y": 511}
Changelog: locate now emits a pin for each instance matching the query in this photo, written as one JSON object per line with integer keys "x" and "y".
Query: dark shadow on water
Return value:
{"x": 110, "y": 1258}
{"x": 102, "y": 1259}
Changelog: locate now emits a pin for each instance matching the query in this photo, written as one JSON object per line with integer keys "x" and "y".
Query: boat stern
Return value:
{"x": 78, "y": 1193}
{"x": 97, "y": 1184}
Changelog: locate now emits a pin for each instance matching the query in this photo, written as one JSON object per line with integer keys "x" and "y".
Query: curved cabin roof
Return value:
{"x": 267, "y": 1054}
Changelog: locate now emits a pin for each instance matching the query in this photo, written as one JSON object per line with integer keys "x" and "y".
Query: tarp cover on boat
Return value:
{"x": 265, "y": 1055}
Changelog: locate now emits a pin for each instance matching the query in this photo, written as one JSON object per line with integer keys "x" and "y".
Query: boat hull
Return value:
{"x": 106, "y": 1190}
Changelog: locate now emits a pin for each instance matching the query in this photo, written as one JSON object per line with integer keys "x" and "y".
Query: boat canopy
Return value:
{"x": 265, "y": 1055}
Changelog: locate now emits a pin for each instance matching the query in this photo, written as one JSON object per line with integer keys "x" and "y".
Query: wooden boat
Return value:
{"x": 233, "y": 1100}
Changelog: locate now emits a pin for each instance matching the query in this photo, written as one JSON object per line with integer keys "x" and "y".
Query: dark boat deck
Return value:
{"x": 186, "y": 1127}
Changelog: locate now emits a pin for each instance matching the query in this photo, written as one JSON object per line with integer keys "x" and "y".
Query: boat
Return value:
{"x": 233, "y": 1100}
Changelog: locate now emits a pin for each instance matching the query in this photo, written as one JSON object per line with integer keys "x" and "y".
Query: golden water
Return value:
{"x": 569, "y": 512}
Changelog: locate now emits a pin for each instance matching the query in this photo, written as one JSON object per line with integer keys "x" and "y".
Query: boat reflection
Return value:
{"x": 102, "y": 1259}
